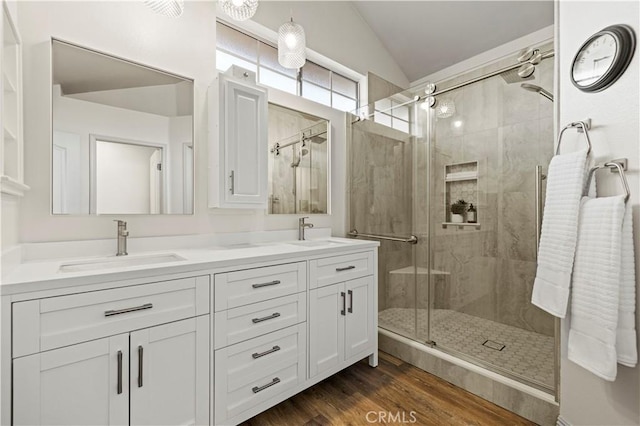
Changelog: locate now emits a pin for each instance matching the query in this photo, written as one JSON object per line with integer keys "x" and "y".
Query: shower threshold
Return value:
{"x": 525, "y": 354}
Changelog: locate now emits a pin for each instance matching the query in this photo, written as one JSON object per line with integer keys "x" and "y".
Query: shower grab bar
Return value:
{"x": 620, "y": 165}
{"x": 411, "y": 240}
{"x": 583, "y": 126}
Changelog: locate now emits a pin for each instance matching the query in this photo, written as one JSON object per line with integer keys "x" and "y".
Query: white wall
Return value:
{"x": 586, "y": 399}
{"x": 184, "y": 46}
{"x": 336, "y": 30}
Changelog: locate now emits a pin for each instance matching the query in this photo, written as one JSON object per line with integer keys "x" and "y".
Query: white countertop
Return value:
{"x": 45, "y": 274}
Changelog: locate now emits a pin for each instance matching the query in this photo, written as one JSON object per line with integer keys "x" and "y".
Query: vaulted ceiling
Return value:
{"x": 426, "y": 36}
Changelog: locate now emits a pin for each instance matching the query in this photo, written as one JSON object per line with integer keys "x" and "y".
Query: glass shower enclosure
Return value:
{"x": 461, "y": 181}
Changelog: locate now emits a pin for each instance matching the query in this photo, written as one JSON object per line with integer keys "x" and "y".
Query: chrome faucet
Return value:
{"x": 122, "y": 238}
{"x": 301, "y": 226}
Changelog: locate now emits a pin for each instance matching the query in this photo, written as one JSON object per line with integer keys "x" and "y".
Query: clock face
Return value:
{"x": 594, "y": 60}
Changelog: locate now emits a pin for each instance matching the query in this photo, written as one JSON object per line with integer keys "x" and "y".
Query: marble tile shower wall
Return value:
{"x": 381, "y": 195}
{"x": 508, "y": 131}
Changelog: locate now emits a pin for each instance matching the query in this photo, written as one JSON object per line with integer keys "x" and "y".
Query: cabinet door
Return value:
{"x": 244, "y": 141}
{"x": 360, "y": 321}
{"x": 326, "y": 328}
{"x": 83, "y": 384}
{"x": 170, "y": 373}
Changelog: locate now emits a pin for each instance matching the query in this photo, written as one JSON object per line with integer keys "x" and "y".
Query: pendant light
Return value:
{"x": 170, "y": 8}
{"x": 240, "y": 10}
{"x": 291, "y": 45}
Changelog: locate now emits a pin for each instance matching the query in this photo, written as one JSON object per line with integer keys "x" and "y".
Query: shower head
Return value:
{"x": 537, "y": 89}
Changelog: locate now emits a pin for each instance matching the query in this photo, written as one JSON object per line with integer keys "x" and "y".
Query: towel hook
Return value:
{"x": 611, "y": 165}
{"x": 580, "y": 125}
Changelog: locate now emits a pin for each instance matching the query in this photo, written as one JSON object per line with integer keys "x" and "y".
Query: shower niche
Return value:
{"x": 461, "y": 195}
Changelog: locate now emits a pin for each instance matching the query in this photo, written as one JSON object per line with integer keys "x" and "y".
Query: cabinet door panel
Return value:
{"x": 326, "y": 328}
{"x": 170, "y": 373}
{"x": 75, "y": 385}
{"x": 245, "y": 143}
{"x": 360, "y": 319}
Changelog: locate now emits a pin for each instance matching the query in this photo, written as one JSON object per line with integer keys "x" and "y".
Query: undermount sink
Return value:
{"x": 119, "y": 262}
{"x": 317, "y": 243}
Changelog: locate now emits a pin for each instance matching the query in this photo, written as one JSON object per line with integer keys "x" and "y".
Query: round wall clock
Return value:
{"x": 603, "y": 58}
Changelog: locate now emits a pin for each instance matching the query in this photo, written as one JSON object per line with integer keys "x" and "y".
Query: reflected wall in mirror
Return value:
{"x": 298, "y": 162}
{"x": 122, "y": 139}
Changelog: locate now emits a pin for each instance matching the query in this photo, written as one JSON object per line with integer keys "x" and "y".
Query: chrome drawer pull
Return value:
{"x": 272, "y": 316}
{"x": 346, "y": 268}
{"x": 112, "y": 312}
{"x": 270, "y": 351}
{"x": 257, "y": 389}
{"x": 265, "y": 284}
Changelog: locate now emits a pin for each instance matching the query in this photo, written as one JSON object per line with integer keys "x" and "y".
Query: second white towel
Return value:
{"x": 601, "y": 322}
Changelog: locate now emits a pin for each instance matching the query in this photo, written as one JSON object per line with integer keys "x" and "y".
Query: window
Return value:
{"x": 392, "y": 113}
{"x": 312, "y": 81}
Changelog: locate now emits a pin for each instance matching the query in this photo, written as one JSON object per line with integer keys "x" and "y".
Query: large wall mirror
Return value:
{"x": 122, "y": 139}
{"x": 298, "y": 162}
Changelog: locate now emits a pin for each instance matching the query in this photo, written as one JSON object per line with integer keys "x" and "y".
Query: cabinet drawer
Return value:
{"x": 246, "y": 322}
{"x": 44, "y": 324}
{"x": 242, "y": 381}
{"x": 239, "y": 288}
{"x": 330, "y": 270}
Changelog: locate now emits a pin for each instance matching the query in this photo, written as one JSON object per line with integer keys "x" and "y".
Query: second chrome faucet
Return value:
{"x": 122, "y": 238}
{"x": 301, "y": 227}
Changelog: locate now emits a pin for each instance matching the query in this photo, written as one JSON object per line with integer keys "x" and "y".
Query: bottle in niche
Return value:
{"x": 472, "y": 214}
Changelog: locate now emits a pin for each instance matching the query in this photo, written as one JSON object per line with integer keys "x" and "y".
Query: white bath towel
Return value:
{"x": 626, "y": 346}
{"x": 565, "y": 183}
{"x": 595, "y": 292}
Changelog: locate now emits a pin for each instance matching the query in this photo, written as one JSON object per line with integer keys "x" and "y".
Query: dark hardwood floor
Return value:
{"x": 393, "y": 393}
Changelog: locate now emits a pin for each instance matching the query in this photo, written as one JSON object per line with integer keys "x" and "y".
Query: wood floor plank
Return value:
{"x": 393, "y": 393}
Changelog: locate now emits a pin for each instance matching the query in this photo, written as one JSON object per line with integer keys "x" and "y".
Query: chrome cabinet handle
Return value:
{"x": 344, "y": 303}
{"x": 119, "y": 372}
{"x": 140, "y": 354}
{"x": 350, "y": 310}
{"x": 257, "y": 389}
{"x": 112, "y": 312}
{"x": 275, "y": 282}
{"x": 233, "y": 182}
{"x": 270, "y": 351}
{"x": 272, "y": 316}
{"x": 346, "y": 268}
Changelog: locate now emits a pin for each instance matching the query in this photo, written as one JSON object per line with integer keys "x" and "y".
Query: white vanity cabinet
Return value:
{"x": 134, "y": 355}
{"x": 242, "y": 146}
{"x": 342, "y": 315}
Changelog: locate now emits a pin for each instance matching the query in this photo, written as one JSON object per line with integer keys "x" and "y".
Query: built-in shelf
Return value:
{"x": 460, "y": 176}
{"x": 461, "y": 225}
{"x": 460, "y": 183}
{"x": 11, "y": 144}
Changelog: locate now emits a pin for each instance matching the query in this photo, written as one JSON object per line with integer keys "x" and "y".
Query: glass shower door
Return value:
{"x": 482, "y": 203}
{"x": 381, "y": 204}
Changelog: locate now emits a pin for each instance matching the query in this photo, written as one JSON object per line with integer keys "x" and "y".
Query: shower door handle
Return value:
{"x": 539, "y": 202}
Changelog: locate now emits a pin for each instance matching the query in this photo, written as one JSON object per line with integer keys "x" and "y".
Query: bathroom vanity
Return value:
{"x": 197, "y": 336}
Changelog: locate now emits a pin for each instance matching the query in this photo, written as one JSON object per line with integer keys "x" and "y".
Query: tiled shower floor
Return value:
{"x": 526, "y": 353}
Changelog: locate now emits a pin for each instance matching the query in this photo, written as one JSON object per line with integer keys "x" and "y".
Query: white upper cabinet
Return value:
{"x": 241, "y": 178}
{"x": 11, "y": 148}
